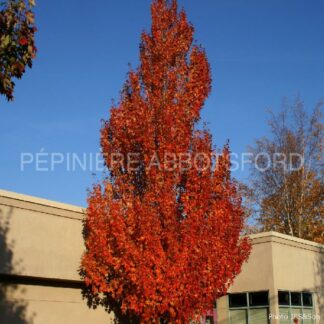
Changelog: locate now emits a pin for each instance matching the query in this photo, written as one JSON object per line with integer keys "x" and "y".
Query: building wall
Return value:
{"x": 41, "y": 246}
{"x": 262, "y": 276}
{"x": 39, "y": 259}
{"x": 49, "y": 305}
{"x": 299, "y": 266}
{"x": 280, "y": 262}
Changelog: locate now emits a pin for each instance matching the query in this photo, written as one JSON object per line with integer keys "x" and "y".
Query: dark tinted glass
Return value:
{"x": 283, "y": 298}
{"x": 259, "y": 298}
{"x": 295, "y": 298}
{"x": 307, "y": 299}
{"x": 237, "y": 300}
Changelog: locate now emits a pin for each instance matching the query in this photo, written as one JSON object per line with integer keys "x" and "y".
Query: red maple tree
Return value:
{"x": 162, "y": 232}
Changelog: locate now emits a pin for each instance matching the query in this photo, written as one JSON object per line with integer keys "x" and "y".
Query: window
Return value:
{"x": 209, "y": 320}
{"x": 237, "y": 300}
{"x": 210, "y": 317}
{"x": 284, "y": 298}
{"x": 296, "y": 307}
{"x": 295, "y": 299}
{"x": 251, "y": 307}
{"x": 258, "y": 298}
{"x": 307, "y": 299}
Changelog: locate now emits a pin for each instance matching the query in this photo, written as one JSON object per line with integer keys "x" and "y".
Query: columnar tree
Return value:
{"x": 162, "y": 232}
{"x": 17, "y": 43}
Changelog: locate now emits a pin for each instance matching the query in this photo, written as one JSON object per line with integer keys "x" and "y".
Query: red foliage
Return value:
{"x": 163, "y": 238}
{"x": 23, "y": 41}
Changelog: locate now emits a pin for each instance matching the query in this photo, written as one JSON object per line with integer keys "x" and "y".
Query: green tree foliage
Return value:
{"x": 17, "y": 42}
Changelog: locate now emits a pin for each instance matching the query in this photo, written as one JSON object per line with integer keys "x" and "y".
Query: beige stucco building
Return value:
{"x": 41, "y": 245}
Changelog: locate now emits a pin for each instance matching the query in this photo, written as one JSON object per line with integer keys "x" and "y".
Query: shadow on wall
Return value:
{"x": 12, "y": 310}
{"x": 110, "y": 306}
{"x": 319, "y": 268}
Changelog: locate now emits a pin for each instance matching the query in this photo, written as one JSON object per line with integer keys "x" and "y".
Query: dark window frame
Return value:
{"x": 302, "y": 307}
{"x": 248, "y": 307}
{"x": 238, "y": 307}
{"x": 312, "y": 299}
{"x": 287, "y": 292}
{"x": 301, "y": 298}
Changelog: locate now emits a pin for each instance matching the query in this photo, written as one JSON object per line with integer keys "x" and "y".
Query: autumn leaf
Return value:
{"x": 23, "y": 41}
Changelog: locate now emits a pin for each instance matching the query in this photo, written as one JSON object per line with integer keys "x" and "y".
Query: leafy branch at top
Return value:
{"x": 17, "y": 42}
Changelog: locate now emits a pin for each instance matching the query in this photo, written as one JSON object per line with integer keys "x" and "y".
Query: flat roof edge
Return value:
{"x": 81, "y": 210}
{"x": 40, "y": 201}
{"x": 285, "y": 237}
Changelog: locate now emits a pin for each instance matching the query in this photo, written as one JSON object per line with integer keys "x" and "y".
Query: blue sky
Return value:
{"x": 259, "y": 51}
